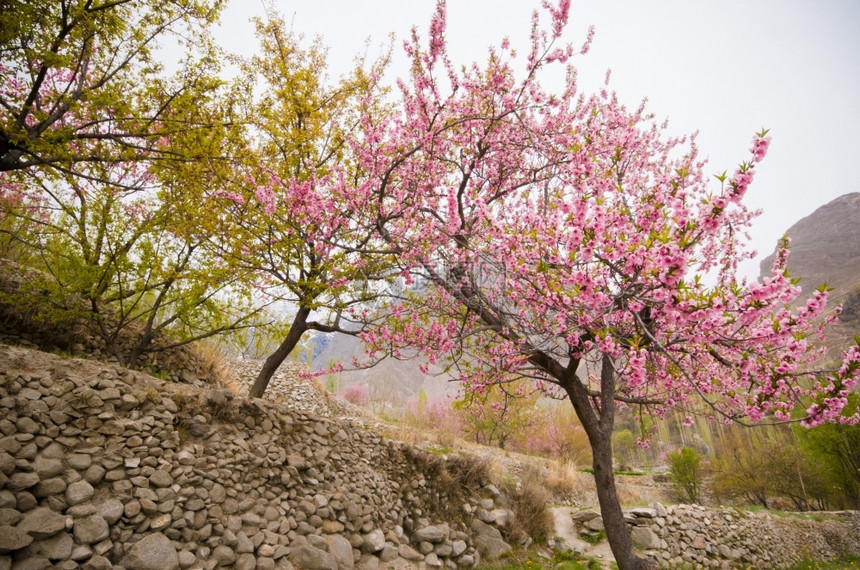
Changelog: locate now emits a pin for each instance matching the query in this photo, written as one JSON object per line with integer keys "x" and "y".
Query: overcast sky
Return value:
{"x": 726, "y": 68}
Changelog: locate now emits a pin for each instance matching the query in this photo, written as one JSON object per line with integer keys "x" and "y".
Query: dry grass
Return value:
{"x": 469, "y": 471}
{"x": 566, "y": 483}
{"x": 530, "y": 502}
{"x": 215, "y": 365}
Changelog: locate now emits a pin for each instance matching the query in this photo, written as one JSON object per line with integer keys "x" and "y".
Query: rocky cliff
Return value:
{"x": 825, "y": 248}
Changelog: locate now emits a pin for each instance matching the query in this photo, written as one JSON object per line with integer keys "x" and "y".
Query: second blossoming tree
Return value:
{"x": 569, "y": 239}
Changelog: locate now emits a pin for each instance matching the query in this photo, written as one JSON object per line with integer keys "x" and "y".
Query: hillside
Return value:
{"x": 825, "y": 248}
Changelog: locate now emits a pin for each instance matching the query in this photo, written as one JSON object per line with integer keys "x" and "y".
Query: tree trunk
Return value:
{"x": 297, "y": 329}
{"x": 617, "y": 532}
{"x": 598, "y": 423}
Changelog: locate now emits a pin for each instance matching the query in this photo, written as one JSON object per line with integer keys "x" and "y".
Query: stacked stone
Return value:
{"x": 286, "y": 386}
{"x": 101, "y": 467}
{"x": 698, "y": 537}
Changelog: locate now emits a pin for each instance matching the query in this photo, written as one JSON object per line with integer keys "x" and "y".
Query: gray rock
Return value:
{"x": 79, "y": 492}
{"x": 340, "y": 548}
{"x": 42, "y": 522}
{"x": 48, "y": 487}
{"x": 9, "y": 517}
{"x": 46, "y": 467}
{"x": 243, "y": 544}
{"x": 388, "y": 553}
{"x": 310, "y": 558}
{"x": 186, "y": 559}
{"x": 584, "y": 516}
{"x": 224, "y": 555}
{"x": 12, "y": 539}
{"x": 21, "y": 480}
{"x": 152, "y": 552}
{"x": 432, "y": 561}
{"x": 374, "y": 541}
{"x": 458, "y": 547}
{"x": 433, "y": 534}
{"x": 594, "y": 524}
{"x": 407, "y": 552}
{"x": 91, "y": 529}
{"x": 488, "y": 540}
{"x": 33, "y": 563}
{"x": 25, "y": 501}
{"x": 97, "y": 562}
{"x": 111, "y": 510}
{"x": 644, "y": 512}
{"x": 79, "y": 461}
{"x": 644, "y": 537}
{"x": 368, "y": 562}
{"x": 58, "y": 547}
{"x": 160, "y": 478}
{"x": 245, "y": 561}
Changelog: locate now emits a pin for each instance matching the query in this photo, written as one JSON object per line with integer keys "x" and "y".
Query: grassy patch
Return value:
{"x": 532, "y": 560}
{"x": 593, "y": 537}
{"x": 848, "y": 562}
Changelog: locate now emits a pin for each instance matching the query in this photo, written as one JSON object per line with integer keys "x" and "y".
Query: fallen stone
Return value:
{"x": 584, "y": 516}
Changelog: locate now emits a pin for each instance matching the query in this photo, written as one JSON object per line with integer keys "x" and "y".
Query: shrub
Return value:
{"x": 530, "y": 504}
{"x": 685, "y": 473}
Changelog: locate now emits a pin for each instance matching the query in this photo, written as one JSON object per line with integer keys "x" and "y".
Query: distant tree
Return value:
{"x": 499, "y": 413}
{"x": 836, "y": 448}
{"x": 765, "y": 467}
{"x": 685, "y": 472}
{"x": 569, "y": 240}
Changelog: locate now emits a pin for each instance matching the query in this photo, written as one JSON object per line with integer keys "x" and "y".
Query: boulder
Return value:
{"x": 152, "y": 552}
{"x": 310, "y": 558}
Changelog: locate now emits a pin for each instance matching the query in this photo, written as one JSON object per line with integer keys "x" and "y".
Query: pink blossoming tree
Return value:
{"x": 569, "y": 239}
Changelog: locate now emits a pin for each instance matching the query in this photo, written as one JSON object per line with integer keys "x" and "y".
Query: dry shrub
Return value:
{"x": 214, "y": 365}
{"x": 567, "y": 483}
{"x": 530, "y": 504}
{"x": 629, "y": 495}
{"x": 444, "y": 438}
{"x": 469, "y": 471}
{"x": 405, "y": 434}
{"x": 318, "y": 385}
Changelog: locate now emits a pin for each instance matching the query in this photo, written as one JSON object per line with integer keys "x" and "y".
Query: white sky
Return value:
{"x": 726, "y": 68}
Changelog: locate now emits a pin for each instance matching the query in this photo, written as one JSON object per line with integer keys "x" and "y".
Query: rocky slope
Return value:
{"x": 101, "y": 467}
{"x": 825, "y": 248}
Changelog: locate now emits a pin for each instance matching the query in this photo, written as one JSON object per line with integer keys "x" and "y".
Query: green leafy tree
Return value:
{"x": 83, "y": 81}
{"x": 126, "y": 245}
{"x": 767, "y": 467}
{"x": 499, "y": 414}
{"x": 685, "y": 472}
{"x": 836, "y": 448}
{"x": 290, "y": 229}
{"x": 121, "y": 258}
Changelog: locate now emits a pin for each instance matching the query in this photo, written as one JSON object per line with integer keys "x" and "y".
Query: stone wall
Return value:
{"x": 692, "y": 536}
{"x": 102, "y": 467}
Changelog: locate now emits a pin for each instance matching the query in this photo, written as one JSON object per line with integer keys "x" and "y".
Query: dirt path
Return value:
{"x": 565, "y": 530}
